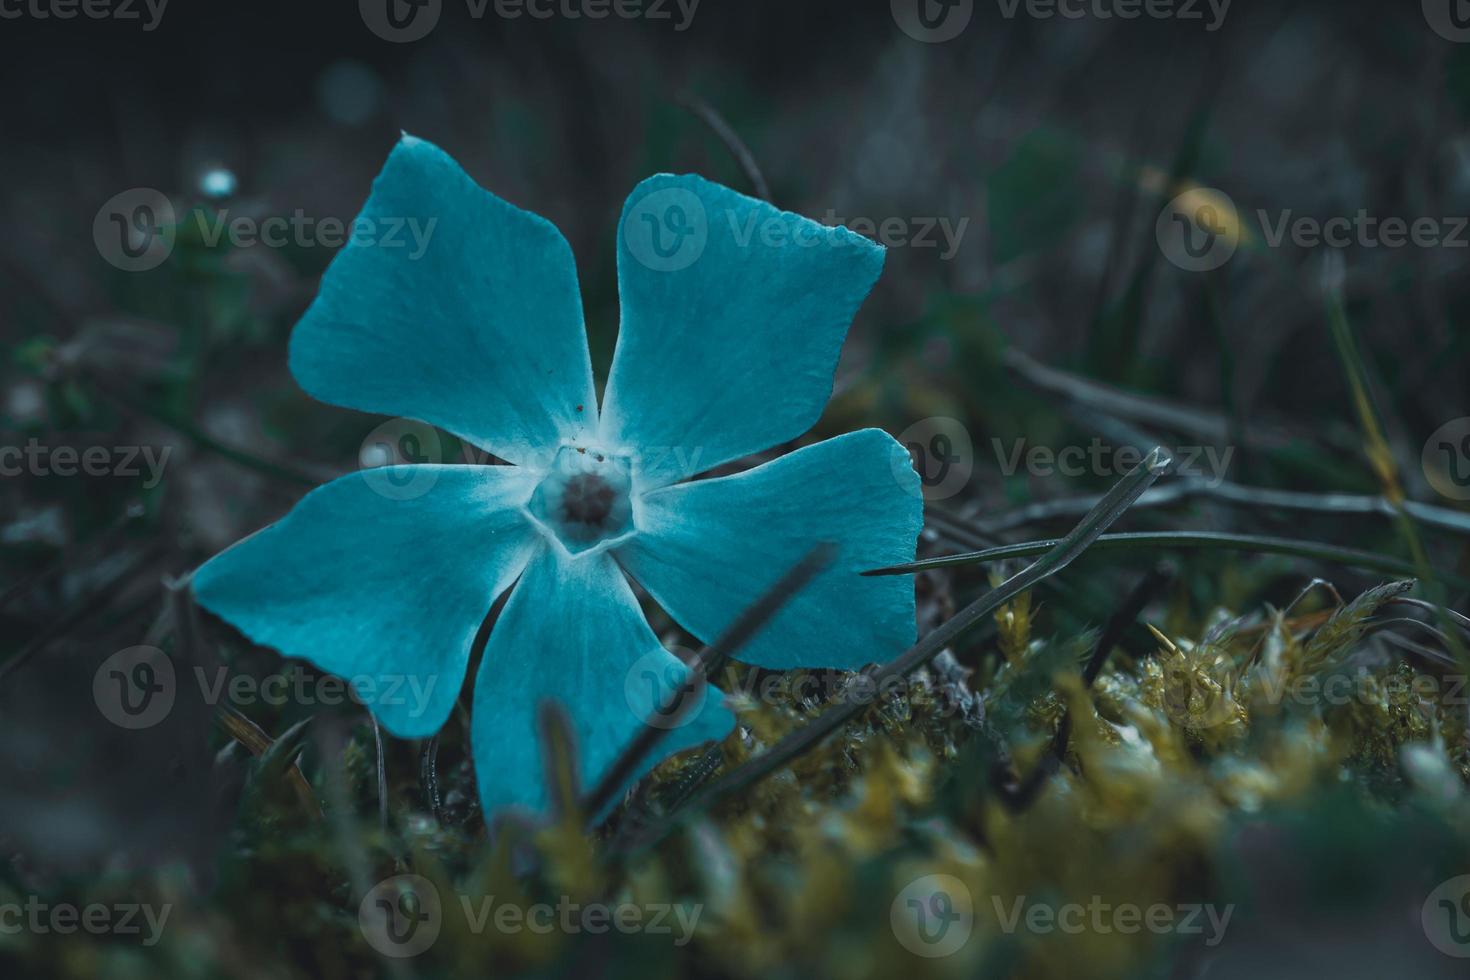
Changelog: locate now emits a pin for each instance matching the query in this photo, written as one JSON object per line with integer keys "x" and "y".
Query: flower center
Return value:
{"x": 585, "y": 500}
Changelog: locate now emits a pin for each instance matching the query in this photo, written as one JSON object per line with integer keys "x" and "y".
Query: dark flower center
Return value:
{"x": 585, "y": 499}
{"x": 588, "y": 499}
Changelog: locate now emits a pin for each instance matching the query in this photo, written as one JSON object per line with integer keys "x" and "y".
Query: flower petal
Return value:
{"x": 573, "y": 632}
{"x": 733, "y": 314}
{"x": 386, "y": 592}
{"x": 706, "y": 550}
{"x": 455, "y": 308}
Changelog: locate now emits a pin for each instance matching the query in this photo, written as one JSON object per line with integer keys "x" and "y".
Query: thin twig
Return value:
{"x": 429, "y": 777}
{"x": 707, "y": 664}
{"x": 1334, "y": 504}
{"x": 716, "y": 122}
{"x": 382, "y": 774}
{"x": 1020, "y": 797}
{"x": 1186, "y": 539}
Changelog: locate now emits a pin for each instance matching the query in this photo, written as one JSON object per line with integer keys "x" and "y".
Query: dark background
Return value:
{"x": 1059, "y": 319}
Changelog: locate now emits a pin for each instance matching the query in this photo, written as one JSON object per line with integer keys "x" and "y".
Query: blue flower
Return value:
{"x": 733, "y": 314}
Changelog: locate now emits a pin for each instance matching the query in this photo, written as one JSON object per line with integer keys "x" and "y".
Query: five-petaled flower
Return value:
{"x": 727, "y": 346}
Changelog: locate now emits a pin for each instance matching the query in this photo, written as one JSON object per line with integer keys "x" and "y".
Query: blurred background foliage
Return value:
{"x": 1057, "y": 320}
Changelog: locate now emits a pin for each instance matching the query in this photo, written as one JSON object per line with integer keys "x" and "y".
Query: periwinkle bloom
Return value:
{"x": 733, "y": 314}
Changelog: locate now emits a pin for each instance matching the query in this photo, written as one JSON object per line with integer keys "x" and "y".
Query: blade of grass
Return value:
{"x": 1334, "y": 504}
{"x": 707, "y": 664}
{"x": 1023, "y": 794}
{"x": 1063, "y": 553}
{"x": 1219, "y": 540}
{"x": 1380, "y": 456}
